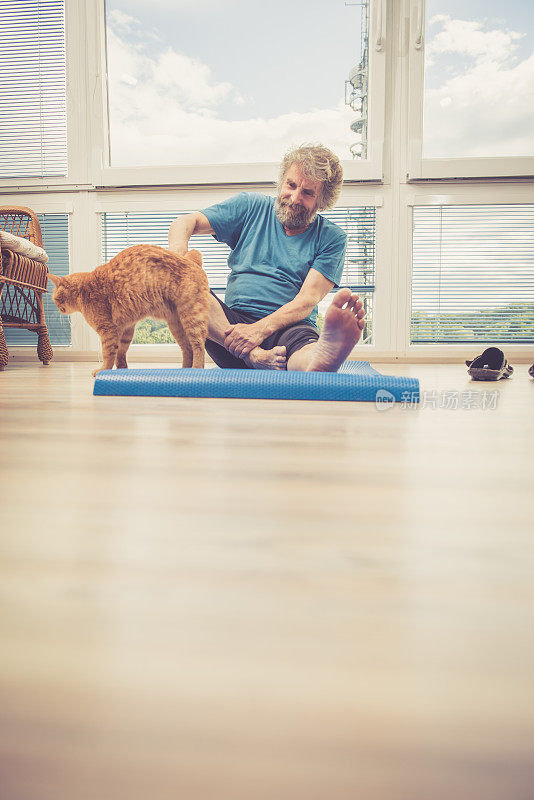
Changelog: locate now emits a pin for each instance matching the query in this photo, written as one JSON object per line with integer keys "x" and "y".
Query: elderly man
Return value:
{"x": 285, "y": 259}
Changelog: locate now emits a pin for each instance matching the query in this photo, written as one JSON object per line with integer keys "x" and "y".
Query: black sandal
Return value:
{"x": 490, "y": 366}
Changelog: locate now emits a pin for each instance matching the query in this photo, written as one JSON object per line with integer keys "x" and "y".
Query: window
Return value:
{"x": 177, "y": 105}
{"x": 473, "y": 274}
{"x": 121, "y": 230}
{"x": 297, "y": 71}
{"x": 32, "y": 89}
{"x": 479, "y": 79}
{"x": 54, "y": 228}
{"x": 472, "y": 89}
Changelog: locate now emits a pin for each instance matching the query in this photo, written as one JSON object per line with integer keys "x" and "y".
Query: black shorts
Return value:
{"x": 293, "y": 337}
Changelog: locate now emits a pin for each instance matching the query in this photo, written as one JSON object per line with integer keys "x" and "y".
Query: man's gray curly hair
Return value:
{"x": 318, "y": 163}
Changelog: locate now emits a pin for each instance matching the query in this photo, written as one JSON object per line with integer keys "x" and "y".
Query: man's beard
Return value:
{"x": 293, "y": 217}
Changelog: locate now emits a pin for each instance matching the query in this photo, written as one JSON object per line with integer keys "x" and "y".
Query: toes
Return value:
{"x": 342, "y": 297}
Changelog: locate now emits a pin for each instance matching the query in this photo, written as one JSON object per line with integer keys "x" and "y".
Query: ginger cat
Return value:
{"x": 141, "y": 281}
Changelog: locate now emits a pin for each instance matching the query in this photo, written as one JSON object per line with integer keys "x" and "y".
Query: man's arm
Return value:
{"x": 183, "y": 228}
{"x": 241, "y": 339}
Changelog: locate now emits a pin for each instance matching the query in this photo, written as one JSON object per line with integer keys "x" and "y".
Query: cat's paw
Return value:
{"x": 96, "y": 371}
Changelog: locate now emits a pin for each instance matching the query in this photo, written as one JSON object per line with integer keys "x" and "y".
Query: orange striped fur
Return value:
{"x": 141, "y": 281}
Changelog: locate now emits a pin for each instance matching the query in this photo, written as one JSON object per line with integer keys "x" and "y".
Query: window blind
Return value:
{"x": 121, "y": 230}
{"x": 359, "y": 223}
{"x": 33, "y": 126}
{"x": 124, "y": 229}
{"x": 54, "y": 228}
{"x": 473, "y": 274}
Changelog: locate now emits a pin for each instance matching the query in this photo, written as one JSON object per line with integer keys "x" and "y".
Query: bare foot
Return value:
{"x": 267, "y": 359}
{"x": 343, "y": 325}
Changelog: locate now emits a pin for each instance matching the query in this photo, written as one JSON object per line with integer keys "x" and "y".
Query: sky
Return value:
{"x": 479, "y": 79}
{"x": 216, "y": 81}
{"x": 228, "y": 80}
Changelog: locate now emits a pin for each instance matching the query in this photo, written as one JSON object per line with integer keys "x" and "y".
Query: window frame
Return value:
{"x": 247, "y": 173}
{"x": 470, "y": 193}
{"x": 419, "y": 168}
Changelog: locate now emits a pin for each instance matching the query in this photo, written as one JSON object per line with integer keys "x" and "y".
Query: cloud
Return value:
{"x": 165, "y": 109}
{"x": 188, "y": 81}
{"x": 466, "y": 37}
{"x": 485, "y": 105}
{"x": 121, "y": 21}
{"x": 170, "y": 76}
{"x": 198, "y": 139}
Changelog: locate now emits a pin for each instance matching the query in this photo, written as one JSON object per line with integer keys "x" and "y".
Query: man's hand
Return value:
{"x": 240, "y": 339}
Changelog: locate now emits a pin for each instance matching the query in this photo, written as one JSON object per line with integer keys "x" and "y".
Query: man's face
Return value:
{"x": 297, "y": 201}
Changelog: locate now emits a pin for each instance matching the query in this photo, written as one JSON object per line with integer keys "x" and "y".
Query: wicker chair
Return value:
{"x": 22, "y": 283}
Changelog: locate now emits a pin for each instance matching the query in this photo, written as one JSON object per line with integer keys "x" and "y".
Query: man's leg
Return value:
{"x": 343, "y": 325}
{"x": 259, "y": 358}
{"x": 217, "y": 323}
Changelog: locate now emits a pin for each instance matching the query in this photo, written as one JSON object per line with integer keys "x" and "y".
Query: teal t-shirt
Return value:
{"x": 268, "y": 267}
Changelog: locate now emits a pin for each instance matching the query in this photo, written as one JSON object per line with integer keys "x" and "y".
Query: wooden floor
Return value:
{"x": 266, "y": 600}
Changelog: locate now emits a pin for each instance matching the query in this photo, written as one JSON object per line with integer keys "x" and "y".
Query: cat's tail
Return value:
{"x": 195, "y": 256}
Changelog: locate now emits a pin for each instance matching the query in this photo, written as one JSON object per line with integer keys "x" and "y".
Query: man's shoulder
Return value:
{"x": 251, "y": 200}
{"x": 258, "y": 200}
{"x": 331, "y": 230}
{"x": 257, "y": 208}
{"x": 239, "y": 206}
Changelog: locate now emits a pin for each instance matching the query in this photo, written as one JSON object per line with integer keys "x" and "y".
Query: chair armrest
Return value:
{"x": 21, "y": 221}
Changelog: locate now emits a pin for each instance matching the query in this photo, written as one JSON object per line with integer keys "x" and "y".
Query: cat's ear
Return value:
{"x": 195, "y": 256}
{"x": 56, "y": 280}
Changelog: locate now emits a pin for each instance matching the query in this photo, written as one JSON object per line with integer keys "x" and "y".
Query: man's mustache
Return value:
{"x": 293, "y": 207}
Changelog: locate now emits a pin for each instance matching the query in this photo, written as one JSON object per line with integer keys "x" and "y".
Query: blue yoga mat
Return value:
{"x": 356, "y": 380}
